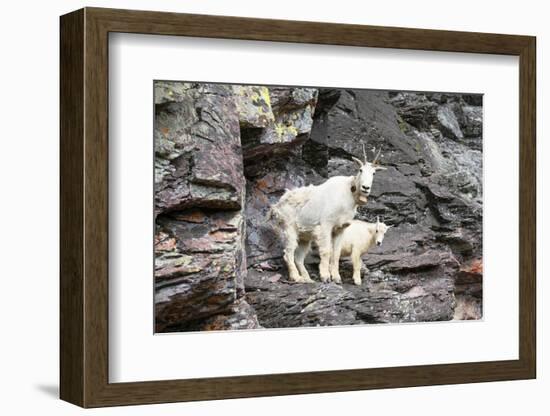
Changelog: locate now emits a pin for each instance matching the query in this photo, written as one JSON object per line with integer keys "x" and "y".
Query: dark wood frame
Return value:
{"x": 84, "y": 207}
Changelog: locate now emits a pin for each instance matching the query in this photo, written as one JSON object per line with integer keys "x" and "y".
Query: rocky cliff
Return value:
{"x": 225, "y": 153}
{"x": 200, "y": 261}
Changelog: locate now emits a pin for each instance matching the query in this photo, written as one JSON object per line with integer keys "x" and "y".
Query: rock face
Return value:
{"x": 198, "y": 159}
{"x": 431, "y": 192}
{"x": 287, "y": 122}
{"x": 273, "y": 162}
{"x": 200, "y": 263}
{"x": 225, "y": 153}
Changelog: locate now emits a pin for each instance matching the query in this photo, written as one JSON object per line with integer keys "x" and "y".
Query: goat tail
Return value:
{"x": 277, "y": 214}
{"x": 269, "y": 215}
{"x": 272, "y": 215}
{"x": 273, "y": 218}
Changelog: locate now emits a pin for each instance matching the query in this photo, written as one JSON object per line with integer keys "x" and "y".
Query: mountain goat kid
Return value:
{"x": 355, "y": 241}
{"x": 319, "y": 214}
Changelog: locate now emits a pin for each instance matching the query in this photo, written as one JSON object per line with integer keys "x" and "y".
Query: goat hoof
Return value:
{"x": 306, "y": 278}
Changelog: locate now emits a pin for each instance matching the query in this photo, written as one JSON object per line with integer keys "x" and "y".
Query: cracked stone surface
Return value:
{"x": 225, "y": 153}
{"x": 431, "y": 193}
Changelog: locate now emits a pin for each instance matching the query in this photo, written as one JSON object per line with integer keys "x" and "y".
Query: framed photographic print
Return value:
{"x": 261, "y": 207}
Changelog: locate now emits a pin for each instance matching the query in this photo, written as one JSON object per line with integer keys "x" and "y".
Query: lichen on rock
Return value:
{"x": 254, "y": 106}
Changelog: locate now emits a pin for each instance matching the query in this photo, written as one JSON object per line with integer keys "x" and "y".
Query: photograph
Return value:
{"x": 293, "y": 206}
{"x": 231, "y": 182}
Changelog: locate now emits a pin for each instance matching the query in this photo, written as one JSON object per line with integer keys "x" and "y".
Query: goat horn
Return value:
{"x": 377, "y": 156}
{"x": 364, "y": 153}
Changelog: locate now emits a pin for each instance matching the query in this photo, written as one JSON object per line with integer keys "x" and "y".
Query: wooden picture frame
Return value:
{"x": 84, "y": 207}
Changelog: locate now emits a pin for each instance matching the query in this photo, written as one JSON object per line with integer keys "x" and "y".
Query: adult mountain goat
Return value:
{"x": 319, "y": 214}
{"x": 356, "y": 240}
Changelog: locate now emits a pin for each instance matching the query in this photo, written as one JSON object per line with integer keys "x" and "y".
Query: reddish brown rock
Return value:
{"x": 200, "y": 262}
{"x": 202, "y": 276}
{"x": 469, "y": 290}
{"x": 241, "y": 316}
{"x": 198, "y": 157}
{"x": 471, "y": 272}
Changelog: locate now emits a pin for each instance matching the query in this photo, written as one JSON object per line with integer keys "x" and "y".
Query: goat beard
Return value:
{"x": 359, "y": 197}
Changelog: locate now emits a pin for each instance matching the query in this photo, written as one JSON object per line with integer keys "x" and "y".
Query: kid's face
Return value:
{"x": 381, "y": 229}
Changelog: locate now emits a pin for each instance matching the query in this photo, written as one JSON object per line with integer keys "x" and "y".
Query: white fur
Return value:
{"x": 356, "y": 240}
{"x": 319, "y": 213}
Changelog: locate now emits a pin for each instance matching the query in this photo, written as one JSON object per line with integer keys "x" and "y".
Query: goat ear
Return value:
{"x": 380, "y": 168}
{"x": 357, "y": 161}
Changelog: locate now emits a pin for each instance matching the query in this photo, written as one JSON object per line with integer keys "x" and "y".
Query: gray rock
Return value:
{"x": 224, "y": 154}
{"x": 414, "y": 109}
{"x": 349, "y": 119}
{"x": 283, "y": 304}
{"x": 289, "y": 125}
{"x": 473, "y": 99}
{"x": 430, "y": 192}
{"x": 198, "y": 157}
{"x": 199, "y": 268}
{"x": 448, "y": 122}
{"x": 254, "y": 106}
{"x": 171, "y": 92}
{"x": 472, "y": 121}
{"x": 200, "y": 262}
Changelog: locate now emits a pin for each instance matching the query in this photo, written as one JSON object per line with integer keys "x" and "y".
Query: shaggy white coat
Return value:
{"x": 319, "y": 214}
{"x": 356, "y": 240}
